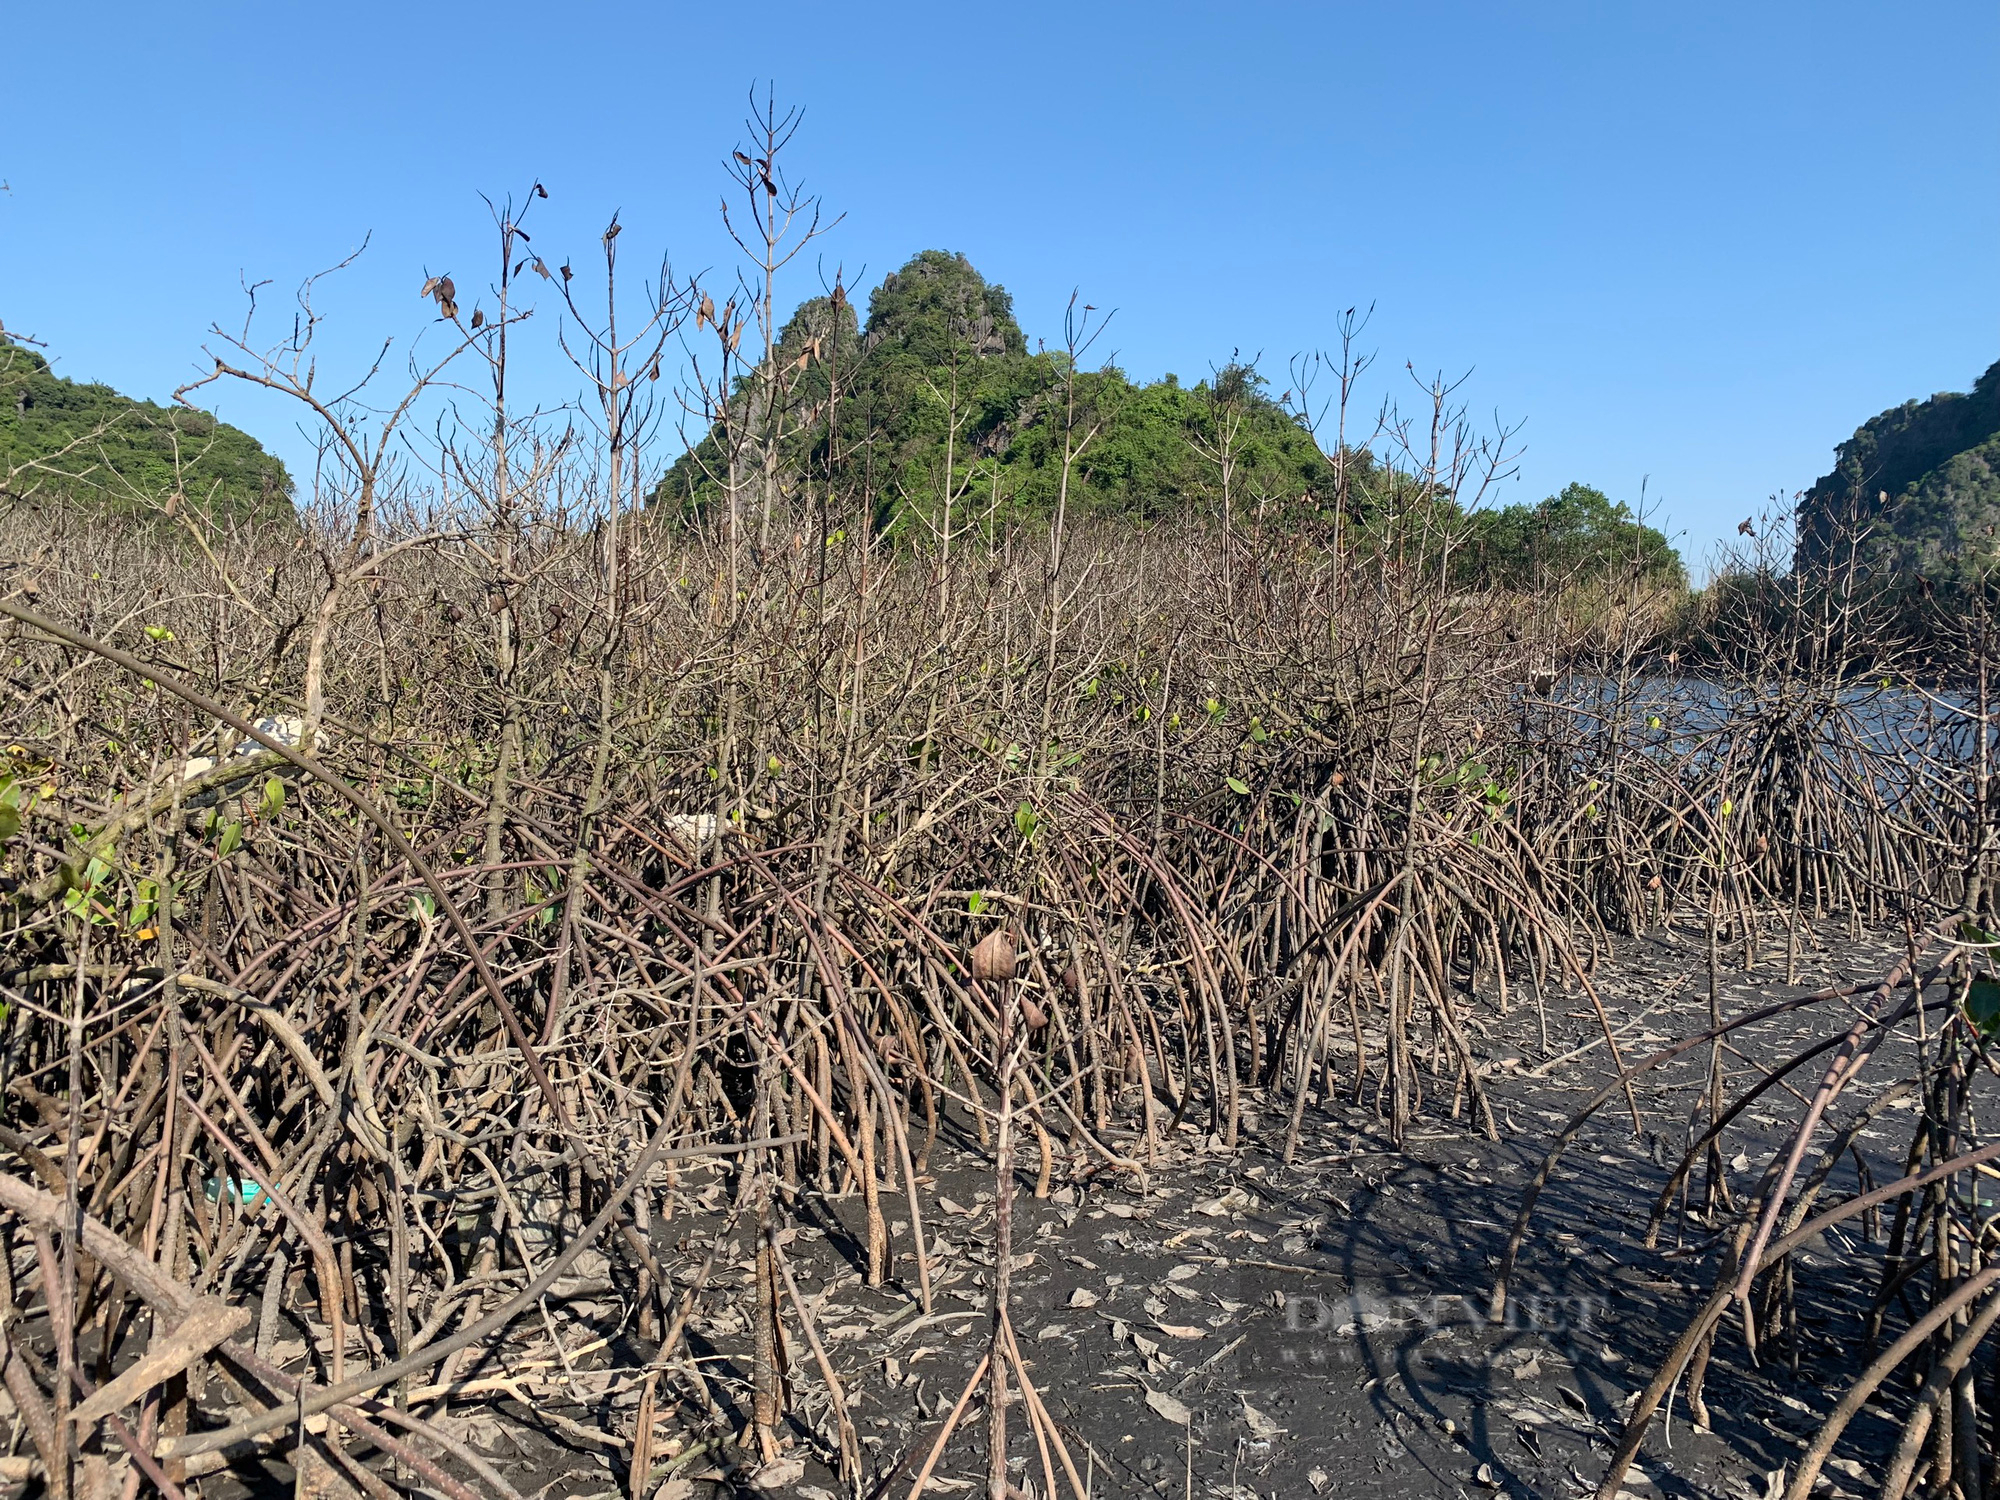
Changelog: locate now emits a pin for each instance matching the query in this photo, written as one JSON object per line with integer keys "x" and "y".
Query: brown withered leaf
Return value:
{"x": 994, "y": 959}
{"x": 779, "y": 1474}
{"x": 1260, "y": 1425}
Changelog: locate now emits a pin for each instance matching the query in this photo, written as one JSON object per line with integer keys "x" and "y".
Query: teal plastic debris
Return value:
{"x": 240, "y": 1190}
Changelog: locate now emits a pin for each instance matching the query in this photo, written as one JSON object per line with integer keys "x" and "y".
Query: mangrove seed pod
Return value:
{"x": 994, "y": 958}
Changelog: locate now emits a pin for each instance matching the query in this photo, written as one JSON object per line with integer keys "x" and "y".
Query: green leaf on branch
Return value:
{"x": 1982, "y": 1005}
{"x": 1026, "y": 823}
{"x": 80, "y": 900}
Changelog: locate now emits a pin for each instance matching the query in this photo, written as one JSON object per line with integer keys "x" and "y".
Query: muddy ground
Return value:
{"x": 1233, "y": 1326}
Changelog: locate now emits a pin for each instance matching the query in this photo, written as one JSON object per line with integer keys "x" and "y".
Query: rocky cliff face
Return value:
{"x": 1916, "y": 489}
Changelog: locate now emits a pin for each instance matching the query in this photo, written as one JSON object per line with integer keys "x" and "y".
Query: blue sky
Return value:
{"x": 1694, "y": 244}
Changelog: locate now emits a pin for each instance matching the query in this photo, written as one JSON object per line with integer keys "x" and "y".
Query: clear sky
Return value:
{"x": 1693, "y": 242}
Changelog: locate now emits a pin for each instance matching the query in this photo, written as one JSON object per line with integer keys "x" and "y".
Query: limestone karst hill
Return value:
{"x": 63, "y": 438}
{"x": 1919, "y": 485}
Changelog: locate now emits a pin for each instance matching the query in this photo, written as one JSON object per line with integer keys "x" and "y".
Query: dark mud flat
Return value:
{"x": 1235, "y": 1326}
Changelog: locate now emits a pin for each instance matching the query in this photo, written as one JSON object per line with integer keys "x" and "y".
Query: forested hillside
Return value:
{"x": 934, "y": 416}
{"x": 63, "y": 437}
{"x": 1917, "y": 487}
{"x": 939, "y": 400}
{"x": 936, "y": 408}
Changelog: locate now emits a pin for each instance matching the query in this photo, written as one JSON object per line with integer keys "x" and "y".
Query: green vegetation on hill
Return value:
{"x": 937, "y": 400}
{"x": 1578, "y": 532}
{"x": 1916, "y": 488}
{"x": 939, "y": 396}
{"x": 87, "y": 441}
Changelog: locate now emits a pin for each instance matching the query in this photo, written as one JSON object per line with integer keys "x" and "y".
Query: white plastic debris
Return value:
{"x": 287, "y": 729}
{"x": 690, "y": 830}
